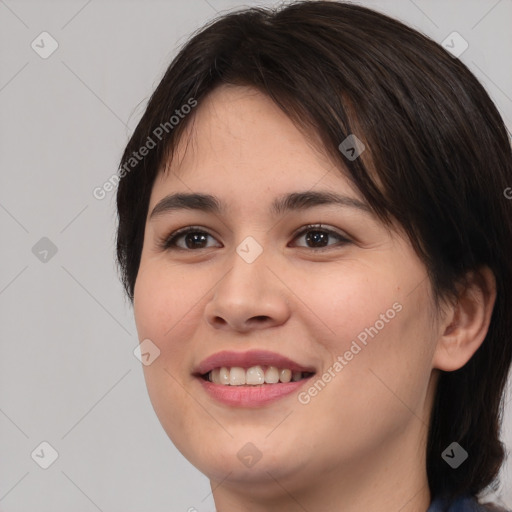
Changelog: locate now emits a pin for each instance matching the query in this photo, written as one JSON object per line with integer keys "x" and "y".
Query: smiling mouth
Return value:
{"x": 253, "y": 376}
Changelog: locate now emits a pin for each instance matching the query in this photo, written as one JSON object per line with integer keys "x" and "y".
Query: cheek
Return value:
{"x": 377, "y": 320}
{"x": 343, "y": 302}
{"x": 163, "y": 298}
{"x": 388, "y": 357}
{"x": 165, "y": 313}
{"x": 162, "y": 308}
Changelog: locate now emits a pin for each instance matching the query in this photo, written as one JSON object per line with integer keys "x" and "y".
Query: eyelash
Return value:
{"x": 168, "y": 243}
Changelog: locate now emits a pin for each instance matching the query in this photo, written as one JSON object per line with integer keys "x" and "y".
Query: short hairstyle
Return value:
{"x": 437, "y": 160}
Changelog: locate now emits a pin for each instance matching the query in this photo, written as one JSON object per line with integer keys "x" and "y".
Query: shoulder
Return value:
{"x": 465, "y": 503}
{"x": 492, "y": 507}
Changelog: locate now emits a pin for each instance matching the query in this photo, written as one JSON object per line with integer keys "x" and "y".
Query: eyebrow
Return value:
{"x": 294, "y": 201}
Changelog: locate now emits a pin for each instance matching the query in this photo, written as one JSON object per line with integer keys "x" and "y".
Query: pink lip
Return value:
{"x": 249, "y": 396}
{"x": 248, "y": 359}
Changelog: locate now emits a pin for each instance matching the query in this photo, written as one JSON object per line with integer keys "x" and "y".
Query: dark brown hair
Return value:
{"x": 437, "y": 160}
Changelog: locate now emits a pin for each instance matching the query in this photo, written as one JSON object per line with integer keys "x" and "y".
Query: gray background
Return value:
{"x": 68, "y": 375}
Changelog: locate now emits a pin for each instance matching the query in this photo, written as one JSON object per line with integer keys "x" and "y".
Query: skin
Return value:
{"x": 359, "y": 444}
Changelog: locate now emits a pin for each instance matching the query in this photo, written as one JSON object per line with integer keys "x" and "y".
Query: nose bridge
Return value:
{"x": 248, "y": 291}
{"x": 250, "y": 250}
{"x": 248, "y": 266}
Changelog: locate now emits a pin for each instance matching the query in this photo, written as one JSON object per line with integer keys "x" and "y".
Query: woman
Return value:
{"x": 314, "y": 234}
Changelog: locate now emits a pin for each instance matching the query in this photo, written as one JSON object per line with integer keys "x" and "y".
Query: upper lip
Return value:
{"x": 248, "y": 359}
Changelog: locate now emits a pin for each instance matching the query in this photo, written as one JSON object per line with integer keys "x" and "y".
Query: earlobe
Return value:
{"x": 467, "y": 322}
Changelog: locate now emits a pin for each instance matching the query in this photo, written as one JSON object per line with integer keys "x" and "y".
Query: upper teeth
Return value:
{"x": 237, "y": 376}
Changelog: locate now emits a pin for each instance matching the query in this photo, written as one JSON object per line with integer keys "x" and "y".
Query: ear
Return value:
{"x": 467, "y": 321}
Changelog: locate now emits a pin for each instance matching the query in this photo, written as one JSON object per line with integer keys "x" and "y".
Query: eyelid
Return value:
{"x": 320, "y": 227}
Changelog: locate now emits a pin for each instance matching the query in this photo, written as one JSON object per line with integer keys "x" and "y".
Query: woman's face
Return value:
{"x": 349, "y": 301}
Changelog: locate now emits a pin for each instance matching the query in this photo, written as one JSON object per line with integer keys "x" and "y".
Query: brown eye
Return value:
{"x": 194, "y": 238}
{"x": 317, "y": 237}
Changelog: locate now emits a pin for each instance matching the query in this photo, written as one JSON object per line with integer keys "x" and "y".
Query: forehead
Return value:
{"x": 238, "y": 137}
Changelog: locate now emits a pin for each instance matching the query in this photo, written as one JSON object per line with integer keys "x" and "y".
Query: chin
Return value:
{"x": 244, "y": 462}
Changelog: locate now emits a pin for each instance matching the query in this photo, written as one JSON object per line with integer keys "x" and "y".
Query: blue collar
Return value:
{"x": 465, "y": 503}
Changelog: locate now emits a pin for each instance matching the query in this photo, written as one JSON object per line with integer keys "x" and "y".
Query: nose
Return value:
{"x": 249, "y": 296}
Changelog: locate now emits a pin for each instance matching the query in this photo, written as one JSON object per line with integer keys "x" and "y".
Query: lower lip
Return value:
{"x": 251, "y": 396}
